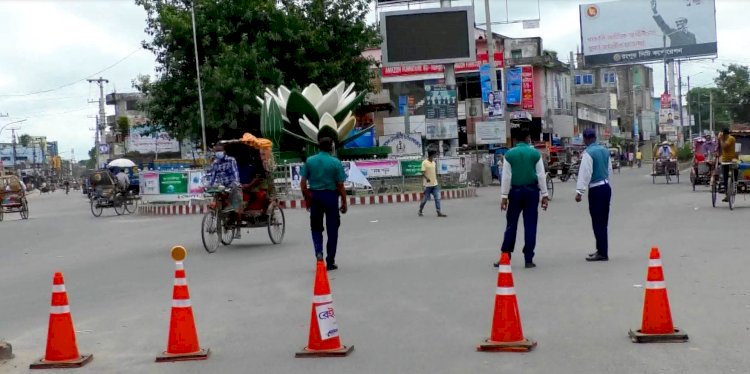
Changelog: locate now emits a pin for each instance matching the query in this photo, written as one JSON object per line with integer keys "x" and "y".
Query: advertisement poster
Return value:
{"x": 514, "y": 86}
{"x": 326, "y": 321}
{"x": 149, "y": 183}
{"x": 485, "y": 81}
{"x": 196, "y": 185}
{"x": 494, "y": 105}
{"x": 626, "y": 32}
{"x": 527, "y": 87}
{"x": 441, "y": 111}
{"x": 448, "y": 165}
{"x": 142, "y": 141}
{"x": 295, "y": 171}
{"x": 378, "y": 168}
{"x": 402, "y": 144}
{"x": 411, "y": 168}
{"x": 492, "y": 132}
{"x": 173, "y": 183}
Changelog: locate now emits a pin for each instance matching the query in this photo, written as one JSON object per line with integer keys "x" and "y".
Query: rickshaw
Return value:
{"x": 13, "y": 197}
{"x": 559, "y": 163}
{"x": 702, "y": 169}
{"x": 262, "y": 209}
{"x": 106, "y": 193}
{"x": 739, "y": 168}
{"x": 542, "y": 148}
{"x": 667, "y": 168}
{"x": 614, "y": 156}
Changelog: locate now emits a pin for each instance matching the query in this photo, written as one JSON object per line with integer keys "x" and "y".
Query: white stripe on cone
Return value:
{"x": 179, "y": 265}
{"x": 654, "y": 262}
{"x": 180, "y": 282}
{"x": 505, "y": 291}
{"x": 57, "y": 288}
{"x": 322, "y": 299}
{"x": 181, "y": 303}
{"x": 59, "y": 309}
{"x": 658, "y": 285}
{"x": 504, "y": 269}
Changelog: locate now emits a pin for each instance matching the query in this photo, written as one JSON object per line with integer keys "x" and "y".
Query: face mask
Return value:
{"x": 220, "y": 155}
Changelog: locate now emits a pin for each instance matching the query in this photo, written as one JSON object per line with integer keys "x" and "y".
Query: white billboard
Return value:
{"x": 492, "y": 132}
{"x": 632, "y": 31}
{"x": 402, "y": 144}
{"x": 142, "y": 140}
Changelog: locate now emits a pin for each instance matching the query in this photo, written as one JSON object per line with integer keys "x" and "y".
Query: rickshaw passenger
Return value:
{"x": 224, "y": 172}
{"x": 665, "y": 152}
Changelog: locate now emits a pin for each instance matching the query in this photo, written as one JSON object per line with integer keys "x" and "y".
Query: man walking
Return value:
{"x": 593, "y": 175}
{"x": 522, "y": 181}
{"x": 322, "y": 185}
{"x": 430, "y": 183}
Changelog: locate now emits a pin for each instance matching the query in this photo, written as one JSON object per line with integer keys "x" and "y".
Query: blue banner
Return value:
{"x": 514, "y": 86}
{"x": 485, "y": 81}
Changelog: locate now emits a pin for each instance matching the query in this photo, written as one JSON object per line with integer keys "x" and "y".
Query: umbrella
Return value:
{"x": 121, "y": 163}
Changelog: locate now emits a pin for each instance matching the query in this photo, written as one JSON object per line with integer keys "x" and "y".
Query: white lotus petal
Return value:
{"x": 308, "y": 128}
{"x": 328, "y": 103}
{"x": 340, "y": 88}
{"x": 327, "y": 120}
{"x": 347, "y": 91}
{"x": 284, "y": 93}
{"x": 260, "y": 101}
{"x": 281, "y": 102}
{"x": 344, "y": 101}
{"x": 346, "y": 126}
{"x": 313, "y": 94}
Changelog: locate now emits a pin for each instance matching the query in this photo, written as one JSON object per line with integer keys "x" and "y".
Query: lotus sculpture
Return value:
{"x": 311, "y": 113}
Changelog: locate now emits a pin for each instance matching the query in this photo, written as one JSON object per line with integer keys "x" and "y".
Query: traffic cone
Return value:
{"x": 62, "y": 351}
{"x": 324, "y": 338}
{"x": 657, "y": 318}
{"x": 506, "y": 334}
{"x": 183, "y": 337}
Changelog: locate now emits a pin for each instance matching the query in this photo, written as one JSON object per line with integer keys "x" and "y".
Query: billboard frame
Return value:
{"x": 469, "y": 10}
{"x": 651, "y": 60}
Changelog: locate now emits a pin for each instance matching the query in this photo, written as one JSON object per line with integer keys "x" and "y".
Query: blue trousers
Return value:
{"x": 522, "y": 200}
{"x": 435, "y": 192}
{"x": 599, "y": 199}
{"x": 325, "y": 205}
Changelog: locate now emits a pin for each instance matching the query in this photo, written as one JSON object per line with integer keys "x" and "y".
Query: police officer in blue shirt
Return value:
{"x": 593, "y": 175}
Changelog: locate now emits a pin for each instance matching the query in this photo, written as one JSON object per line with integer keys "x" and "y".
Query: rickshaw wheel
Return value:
{"x": 564, "y": 177}
{"x": 227, "y": 231}
{"x": 693, "y": 178}
{"x": 131, "y": 205}
{"x": 24, "y": 210}
{"x": 96, "y": 209}
{"x": 276, "y": 224}
{"x": 119, "y": 205}
{"x": 210, "y": 232}
{"x": 714, "y": 191}
{"x": 2, "y": 213}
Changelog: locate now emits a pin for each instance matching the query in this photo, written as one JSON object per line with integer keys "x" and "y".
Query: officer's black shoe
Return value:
{"x": 319, "y": 256}
{"x": 530, "y": 265}
{"x": 597, "y": 257}
{"x": 593, "y": 254}
{"x": 331, "y": 266}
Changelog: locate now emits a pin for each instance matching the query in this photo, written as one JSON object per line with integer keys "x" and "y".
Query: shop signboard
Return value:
{"x": 196, "y": 182}
{"x": 411, "y": 168}
{"x": 149, "y": 183}
{"x": 378, "y": 168}
{"x": 402, "y": 144}
{"x": 173, "y": 183}
{"x": 491, "y": 132}
{"x": 527, "y": 87}
{"x": 441, "y": 112}
{"x": 448, "y": 165}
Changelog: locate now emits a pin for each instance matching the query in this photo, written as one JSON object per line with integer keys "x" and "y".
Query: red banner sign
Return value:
{"x": 461, "y": 67}
{"x": 527, "y": 87}
{"x": 666, "y": 101}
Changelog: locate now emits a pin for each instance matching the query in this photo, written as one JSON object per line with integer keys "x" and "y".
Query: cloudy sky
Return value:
{"x": 53, "y": 46}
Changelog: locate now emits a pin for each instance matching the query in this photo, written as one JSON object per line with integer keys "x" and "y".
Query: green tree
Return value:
{"x": 700, "y": 108}
{"x": 24, "y": 140}
{"x": 91, "y": 162}
{"x": 244, "y": 47}
{"x": 734, "y": 83}
{"x": 123, "y": 125}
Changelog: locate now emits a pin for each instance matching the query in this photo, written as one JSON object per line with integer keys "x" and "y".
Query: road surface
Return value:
{"x": 413, "y": 295}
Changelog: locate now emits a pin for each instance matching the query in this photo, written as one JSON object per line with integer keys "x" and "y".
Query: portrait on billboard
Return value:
{"x": 635, "y": 31}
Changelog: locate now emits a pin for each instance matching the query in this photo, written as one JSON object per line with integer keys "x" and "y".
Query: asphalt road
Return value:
{"x": 413, "y": 295}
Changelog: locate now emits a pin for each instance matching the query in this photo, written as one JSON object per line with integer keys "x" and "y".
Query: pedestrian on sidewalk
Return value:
{"x": 523, "y": 181}
{"x": 322, "y": 185}
{"x": 639, "y": 158}
{"x": 430, "y": 183}
{"x": 593, "y": 175}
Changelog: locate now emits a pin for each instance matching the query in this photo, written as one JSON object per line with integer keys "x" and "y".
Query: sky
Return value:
{"x": 55, "y": 45}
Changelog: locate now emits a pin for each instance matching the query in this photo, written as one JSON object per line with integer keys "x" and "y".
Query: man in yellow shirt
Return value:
{"x": 728, "y": 154}
{"x": 430, "y": 183}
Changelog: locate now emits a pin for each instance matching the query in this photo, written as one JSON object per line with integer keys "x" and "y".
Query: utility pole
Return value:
{"x": 198, "y": 78}
{"x": 490, "y": 46}
{"x": 13, "y": 142}
{"x": 690, "y": 119}
{"x": 636, "y": 135}
{"x": 101, "y": 119}
{"x": 679, "y": 93}
{"x": 711, "y": 112}
{"x": 573, "y": 104}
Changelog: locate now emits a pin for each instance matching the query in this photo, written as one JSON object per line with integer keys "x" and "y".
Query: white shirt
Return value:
{"x": 541, "y": 177}
{"x": 665, "y": 152}
{"x": 123, "y": 180}
{"x": 586, "y": 170}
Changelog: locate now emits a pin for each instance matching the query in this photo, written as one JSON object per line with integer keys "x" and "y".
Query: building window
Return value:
{"x": 516, "y": 53}
{"x": 609, "y": 78}
{"x": 584, "y": 79}
{"x": 131, "y": 105}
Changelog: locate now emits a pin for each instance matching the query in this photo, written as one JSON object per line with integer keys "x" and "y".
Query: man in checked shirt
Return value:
{"x": 224, "y": 172}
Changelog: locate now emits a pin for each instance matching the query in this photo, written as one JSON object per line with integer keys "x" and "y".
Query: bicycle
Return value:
{"x": 550, "y": 186}
{"x": 730, "y": 189}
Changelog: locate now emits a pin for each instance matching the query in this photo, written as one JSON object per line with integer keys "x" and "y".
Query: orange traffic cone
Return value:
{"x": 506, "y": 334}
{"x": 62, "y": 351}
{"x": 324, "y": 338}
{"x": 657, "y": 318}
{"x": 183, "y": 337}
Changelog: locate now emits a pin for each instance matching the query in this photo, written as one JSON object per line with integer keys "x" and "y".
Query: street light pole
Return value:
{"x": 198, "y": 75}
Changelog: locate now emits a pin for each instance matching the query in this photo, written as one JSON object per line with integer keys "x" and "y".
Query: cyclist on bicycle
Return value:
{"x": 728, "y": 154}
{"x": 224, "y": 172}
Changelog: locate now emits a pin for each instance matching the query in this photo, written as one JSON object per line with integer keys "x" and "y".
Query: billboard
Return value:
{"x": 635, "y": 31}
{"x": 513, "y": 85}
{"x": 428, "y": 36}
{"x": 402, "y": 144}
{"x": 441, "y": 112}
{"x": 492, "y": 132}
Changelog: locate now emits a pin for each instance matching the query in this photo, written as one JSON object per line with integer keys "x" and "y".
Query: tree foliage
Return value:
{"x": 734, "y": 83}
{"x": 699, "y": 100}
{"x": 245, "y": 46}
{"x": 24, "y": 140}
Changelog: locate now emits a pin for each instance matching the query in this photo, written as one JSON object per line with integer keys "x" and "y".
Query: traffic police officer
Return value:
{"x": 593, "y": 175}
